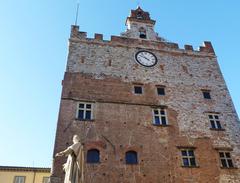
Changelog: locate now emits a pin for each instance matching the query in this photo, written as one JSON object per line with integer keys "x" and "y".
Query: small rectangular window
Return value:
{"x": 138, "y": 89}
{"x": 160, "y": 116}
{"x": 19, "y": 179}
{"x": 188, "y": 158}
{"x": 206, "y": 94}
{"x": 46, "y": 180}
{"x": 214, "y": 121}
{"x": 226, "y": 160}
{"x": 161, "y": 90}
{"x": 85, "y": 111}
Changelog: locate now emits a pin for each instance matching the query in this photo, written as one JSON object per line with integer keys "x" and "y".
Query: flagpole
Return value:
{"x": 76, "y": 20}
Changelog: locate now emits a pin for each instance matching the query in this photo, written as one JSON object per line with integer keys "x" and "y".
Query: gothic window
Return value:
{"x": 131, "y": 157}
{"x": 19, "y": 179}
{"x": 85, "y": 111}
{"x": 161, "y": 90}
{"x": 226, "y": 160}
{"x": 142, "y": 33}
{"x": 188, "y": 158}
{"x": 93, "y": 156}
{"x": 206, "y": 94}
{"x": 160, "y": 116}
{"x": 138, "y": 89}
{"x": 214, "y": 121}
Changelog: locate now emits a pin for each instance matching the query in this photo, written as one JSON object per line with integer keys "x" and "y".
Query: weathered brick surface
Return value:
{"x": 123, "y": 120}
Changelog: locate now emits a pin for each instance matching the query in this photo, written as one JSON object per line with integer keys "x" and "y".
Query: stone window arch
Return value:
{"x": 142, "y": 33}
{"x": 131, "y": 157}
{"x": 139, "y": 15}
{"x": 93, "y": 156}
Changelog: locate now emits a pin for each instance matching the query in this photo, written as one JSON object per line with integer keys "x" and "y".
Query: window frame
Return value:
{"x": 134, "y": 91}
{"x": 208, "y": 92}
{"x": 142, "y": 33}
{"x": 135, "y": 153}
{"x": 93, "y": 162}
{"x": 161, "y": 87}
{"x": 85, "y": 109}
{"x": 160, "y": 116}
{"x": 188, "y": 157}
{"x": 18, "y": 176}
{"x": 215, "y": 122}
{"x": 226, "y": 159}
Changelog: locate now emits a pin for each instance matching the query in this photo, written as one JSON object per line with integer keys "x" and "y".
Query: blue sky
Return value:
{"x": 33, "y": 51}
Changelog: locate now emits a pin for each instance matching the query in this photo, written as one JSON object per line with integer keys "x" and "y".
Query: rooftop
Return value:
{"x": 24, "y": 169}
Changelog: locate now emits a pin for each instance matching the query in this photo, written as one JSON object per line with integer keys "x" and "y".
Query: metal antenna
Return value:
{"x": 76, "y": 20}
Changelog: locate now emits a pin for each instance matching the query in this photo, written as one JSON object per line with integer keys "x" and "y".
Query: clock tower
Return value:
{"x": 140, "y": 25}
{"x": 146, "y": 110}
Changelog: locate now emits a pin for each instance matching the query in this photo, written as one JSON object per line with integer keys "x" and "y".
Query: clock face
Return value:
{"x": 146, "y": 58}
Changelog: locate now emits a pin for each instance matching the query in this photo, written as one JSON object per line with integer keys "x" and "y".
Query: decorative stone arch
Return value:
{"x": 95, "y": 148}
{"x": 131, "y": 149}
{"x": 131, "y": 157}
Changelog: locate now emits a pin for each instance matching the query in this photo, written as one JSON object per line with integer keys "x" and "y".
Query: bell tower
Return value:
{"x": 140, "y": 25}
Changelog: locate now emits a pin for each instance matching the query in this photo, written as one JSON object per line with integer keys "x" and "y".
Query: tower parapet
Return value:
{"x": 206, "y": 48}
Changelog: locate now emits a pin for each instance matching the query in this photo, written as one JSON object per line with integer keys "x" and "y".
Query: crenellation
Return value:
{"x": 76, "y": 34}
{"x": 120, "y": 40}
{"x": 172, "y": 45}
{"x": 98, "y": 37}
{"x": 207, "y": 47}
{"x": 74, "y": 30}
{"x": 188, "y": 47}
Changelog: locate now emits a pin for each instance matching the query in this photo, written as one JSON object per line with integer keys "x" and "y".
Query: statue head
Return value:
{"x": 76, "y": 139}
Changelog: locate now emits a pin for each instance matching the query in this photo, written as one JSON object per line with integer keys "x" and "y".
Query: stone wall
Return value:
{"x": 104, "y": 73}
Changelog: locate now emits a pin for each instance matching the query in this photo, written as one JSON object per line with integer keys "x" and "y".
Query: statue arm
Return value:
{"x": 65, "y": 152}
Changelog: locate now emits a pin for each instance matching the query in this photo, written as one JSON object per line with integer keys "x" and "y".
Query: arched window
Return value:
{"x": 142, "y": 33}
{"x": 93, "y": 156}
{"x": 139, "y": 15}
{"x": 131, "y": 157}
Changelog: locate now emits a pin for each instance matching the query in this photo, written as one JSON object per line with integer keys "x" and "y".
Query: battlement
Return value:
{"x": 120, "y": 40}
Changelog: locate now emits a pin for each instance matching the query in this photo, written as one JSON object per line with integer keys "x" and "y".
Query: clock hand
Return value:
{"x": 144, "y": 57}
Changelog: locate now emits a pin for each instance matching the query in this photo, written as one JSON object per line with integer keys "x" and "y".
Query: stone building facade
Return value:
{"x": 14, "y": 174}
{"x": 146, "y": 110}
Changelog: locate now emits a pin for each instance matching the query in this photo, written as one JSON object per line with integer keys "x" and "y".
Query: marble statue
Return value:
{"x": 74, "y": 167}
